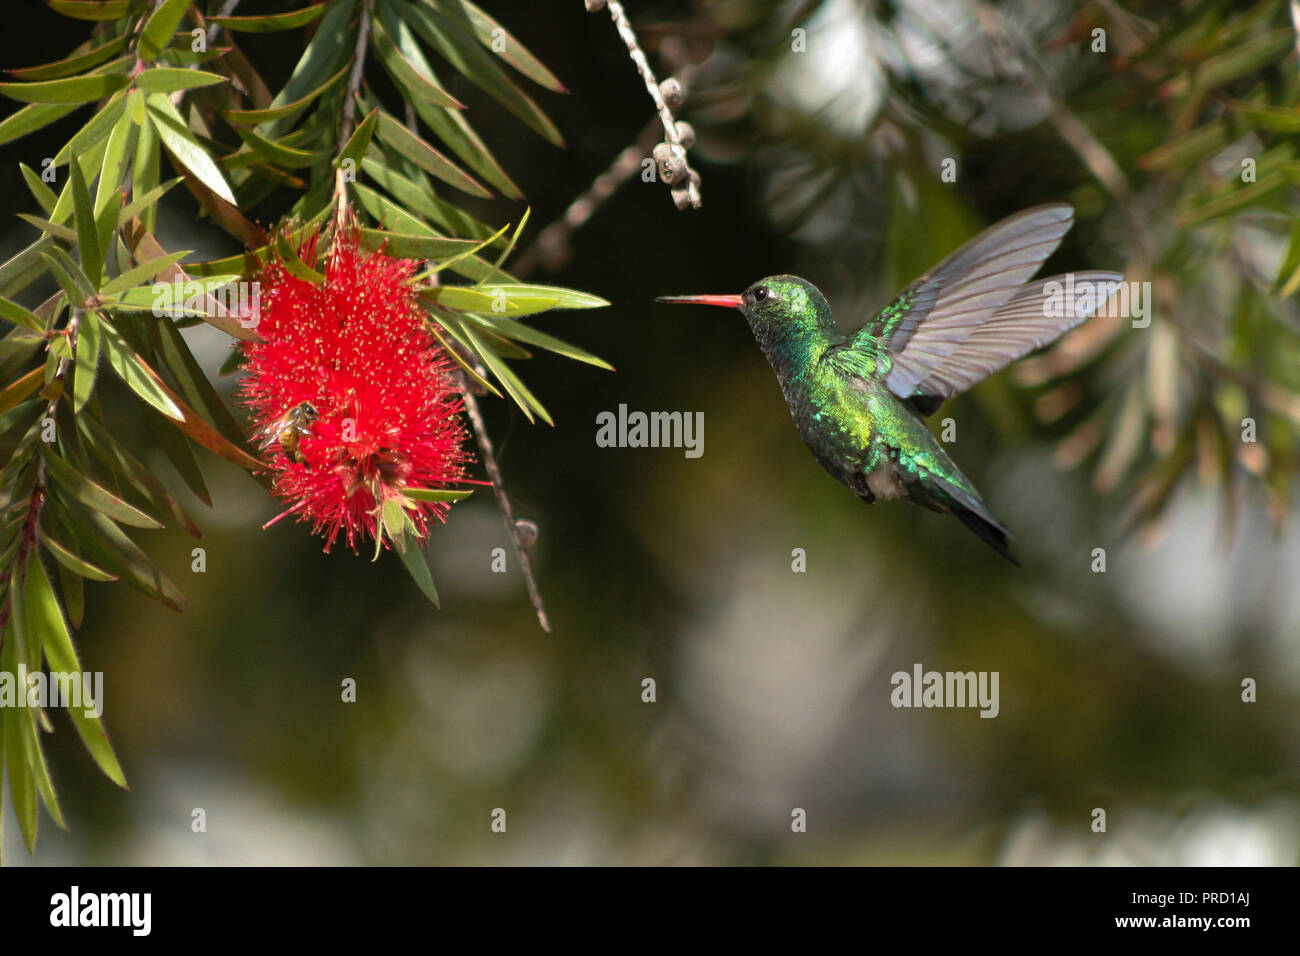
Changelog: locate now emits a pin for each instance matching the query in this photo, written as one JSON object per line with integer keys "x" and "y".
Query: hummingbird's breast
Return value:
{"x": 835, "y": 415}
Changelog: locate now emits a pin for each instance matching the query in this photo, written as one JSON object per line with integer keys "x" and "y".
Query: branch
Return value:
{"x": 503, "y": 500}
{"x": 354, "y": 81}
{"x": 673, "y": 166}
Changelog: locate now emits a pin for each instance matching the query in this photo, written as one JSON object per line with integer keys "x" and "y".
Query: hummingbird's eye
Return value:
{"x": 761, "y": 294}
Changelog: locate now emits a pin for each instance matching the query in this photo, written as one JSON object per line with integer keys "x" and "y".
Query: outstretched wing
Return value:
{"x": 973, "y": 313}
{"x": 1039, "y": 313}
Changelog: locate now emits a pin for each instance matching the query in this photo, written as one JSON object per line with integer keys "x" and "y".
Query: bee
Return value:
{"x": 289, "y": 428}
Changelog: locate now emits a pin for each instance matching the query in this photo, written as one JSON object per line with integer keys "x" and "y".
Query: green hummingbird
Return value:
{"x": 860, "y": 400}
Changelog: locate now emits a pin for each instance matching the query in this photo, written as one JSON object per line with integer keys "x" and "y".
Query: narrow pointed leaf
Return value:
{"x": 184, "y": 147}
{"x": 91, "y": 9}
{"x": 160, "y": 26}
{"x": 87, "y": 363}
{"x": 70, "y": 65}
{"x": 96, "y": 496}
{"x": 31, "y": 118}
{"x": 426, "y": 157}
{"x": 168, "y": 79}
{"x": 414, "y": 561}
{"x": 72, "y": 89}
{"x": 46, "y": 617}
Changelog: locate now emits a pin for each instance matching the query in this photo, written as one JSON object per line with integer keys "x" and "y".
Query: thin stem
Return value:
{"x": 354, "y": 81}
{"x": 634, "y": 50}
{"x": 503, "y": 500}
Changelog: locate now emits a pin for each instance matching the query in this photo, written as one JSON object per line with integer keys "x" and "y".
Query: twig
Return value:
{"x": 354, "y": 81}
{"x": 691, "y": 190}
{"x": 503, "y": 500}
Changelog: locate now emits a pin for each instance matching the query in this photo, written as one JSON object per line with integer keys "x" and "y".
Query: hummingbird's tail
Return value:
{"x": 964, "y": 504}
{"x": 986, "y": 529}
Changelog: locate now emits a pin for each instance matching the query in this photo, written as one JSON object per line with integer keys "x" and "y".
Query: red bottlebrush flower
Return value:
{"x": 353, "y": 398}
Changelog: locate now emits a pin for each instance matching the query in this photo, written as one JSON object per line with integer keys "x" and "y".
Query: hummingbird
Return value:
{"x": 860, "y": 400}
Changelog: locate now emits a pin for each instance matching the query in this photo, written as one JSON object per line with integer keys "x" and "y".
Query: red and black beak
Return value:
{"x": 726, "y": 301}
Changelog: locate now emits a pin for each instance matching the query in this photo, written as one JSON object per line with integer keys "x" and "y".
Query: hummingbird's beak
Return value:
{"x": 726, "y": 301}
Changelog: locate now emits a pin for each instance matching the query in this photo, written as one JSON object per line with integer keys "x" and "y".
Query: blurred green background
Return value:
{"x": 1119, "y": 690}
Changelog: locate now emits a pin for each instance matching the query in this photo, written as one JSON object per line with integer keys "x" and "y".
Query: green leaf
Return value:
{"x": 92, "y": 257}
{"x": 91, "y": 9}
{"x": 357, "y": 144}
{"x": 295, "y": 266}
{"x": 1241, "y": 60}
{"x": 14, "y": 393}
{"x": 63, "y": 233}
{"x": 165, "y": 79}
{"x": 464, "y": 299}
{"x": 113, "y": 168}
{"x": 144, "y": 174}
{"x": 142, "y": 272}
{"x": 461, "y": 49}
{"x": 406, "y": 73}
{"x": 403, "y": 246}
{"x": 270, "y": 23}
{"x": 19, "y": 315}
{"x": 87, "y": 363}
{"x": 1188, "y": 149}
{"x": 415, "y": 564}
{"x": 22, "y": 787}
{"x": 181, "y": 143}
{"x": 450, "y": 126}
{"x": 101, "y": 536}
{"x": 48, "y": 622}
{"x": 70, "y": 65}
{"x": 64, "y": 278}
{"x": 95, "y": 130}
{"x": 111, "y": 453}
{"x": 437, "y": 494}
{"x": 255, "y": 117}
{"x": 160, "y": 26}
{"x": 18, "y": 272}
{"x": 330, "y": 48}
{"x": 1282, "y": 119}
{"x": 95, "y": 496}
{"x": 31, "y": 118}
{"x": 146, "y": 199}
{"x": 137, "y": 375}
{"x": 512, "y": 329}
{"x": 426, "y": 157}
{"x": 42, "y": 193}
{"x": 418, "y": 197}
{"x": 72, "y": 89}
{"x": 70, "y": 559}
{"x": 514, "y": 52}
{"x": 278, "y": 153}
{"x": 525, "y": 399}
{"x": 442, "y": 334}
{"x": 524, "y": 295}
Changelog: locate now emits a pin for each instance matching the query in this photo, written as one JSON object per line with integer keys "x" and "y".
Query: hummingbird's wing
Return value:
{"x": 973, "y": 314}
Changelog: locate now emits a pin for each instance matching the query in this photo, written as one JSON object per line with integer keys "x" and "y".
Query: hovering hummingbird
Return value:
{"x": 860, "y": 400}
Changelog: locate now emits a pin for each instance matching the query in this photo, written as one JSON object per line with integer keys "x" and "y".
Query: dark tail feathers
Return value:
{"x": 987, "y": 530}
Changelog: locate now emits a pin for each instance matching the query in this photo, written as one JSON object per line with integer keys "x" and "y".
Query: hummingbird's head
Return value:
{"x": 777, "y": 307}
